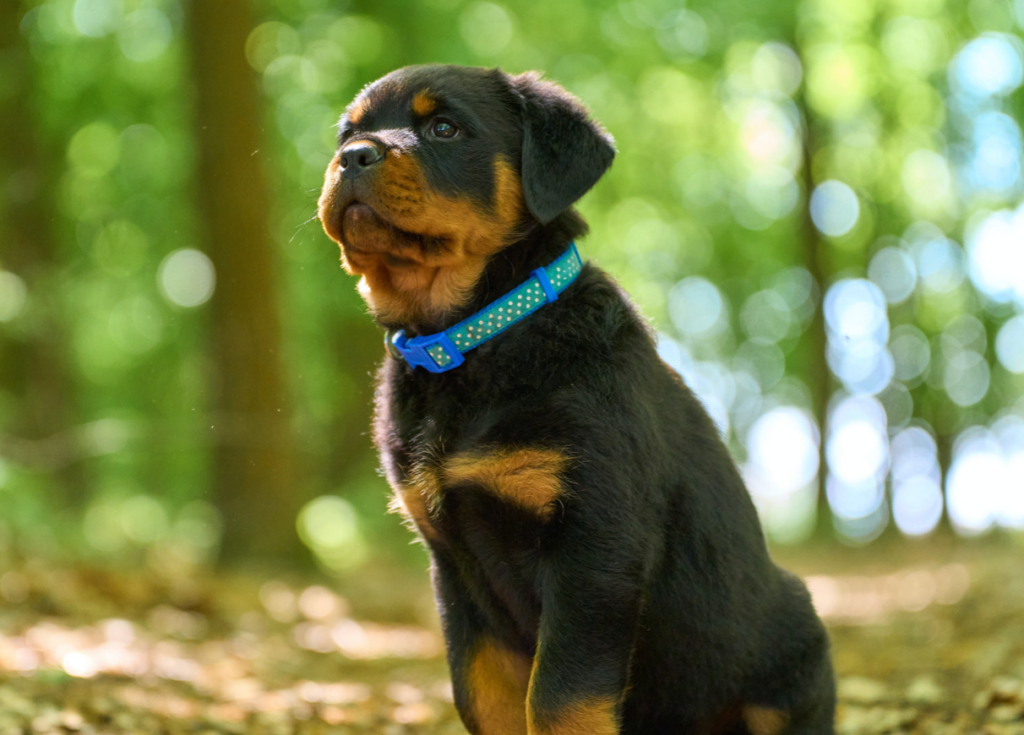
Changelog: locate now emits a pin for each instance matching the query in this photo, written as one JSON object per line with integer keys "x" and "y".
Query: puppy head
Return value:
{"x": 440, "y": 167}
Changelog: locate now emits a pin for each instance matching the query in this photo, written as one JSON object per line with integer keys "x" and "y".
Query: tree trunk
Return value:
{"x": 816, "y": 261}
{"x": 255, "y": 468}
{"x": 36, "y": 367}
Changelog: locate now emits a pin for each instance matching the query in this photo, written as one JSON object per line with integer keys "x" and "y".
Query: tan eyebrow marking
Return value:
{"x": 423, "y": 104}
{"x": 357, "y": 110}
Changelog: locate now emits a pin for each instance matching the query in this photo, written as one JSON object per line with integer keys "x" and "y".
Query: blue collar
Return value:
{"x": 441, "y": 352}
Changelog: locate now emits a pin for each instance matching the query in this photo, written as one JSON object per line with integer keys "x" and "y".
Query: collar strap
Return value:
{"x": 441, "y": 352}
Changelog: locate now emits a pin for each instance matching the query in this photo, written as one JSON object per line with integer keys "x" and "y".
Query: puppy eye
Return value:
{"x": 443, "y": 128}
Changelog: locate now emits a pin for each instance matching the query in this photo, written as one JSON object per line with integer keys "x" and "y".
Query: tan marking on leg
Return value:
{"x": 764, "y": 720}
{"x": 417, "y": 500}
{"x": 497, "y": 681}
{"x": 588, "y": 717}
{"x": 529, "y": 478}
{"x": 423, "y": 104}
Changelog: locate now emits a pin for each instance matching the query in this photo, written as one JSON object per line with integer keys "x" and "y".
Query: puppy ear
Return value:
{"x": 564, "y": 151}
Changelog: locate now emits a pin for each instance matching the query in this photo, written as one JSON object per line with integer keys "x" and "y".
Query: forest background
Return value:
{"x": 818, "y": 204}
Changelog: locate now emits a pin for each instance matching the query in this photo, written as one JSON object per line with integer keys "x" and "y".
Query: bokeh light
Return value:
{"x": 978, "y": 483}
{"x": 996, "y": 258}
{"x": 928, "y": 183}
{"x": 766, "y": 316}
{"x": 941, "y": 263}
{"x": 330, "y": 527}
{"x": 892, "y": 270}
{"x": 768, "y": 133}
{"x": 984, "y": 483}
{"x": 963, "y": 344}
{"x": 858, "y": 460}
{"x": 840, "y": 77}
{"x": 143, "y": 519}
{"x": 995, "y": 163}
{"x": 916, "y": 479}
{"x": 97, "y": 18}
{"x": 967, "y": 377}
{"x": 777, "y": 68}
{"x": 486, "y": 27}
{"x": 145, "y": 34}
{"x": 1010, "y": 344}
{"x": 94, "y": 149}
{"x": 989, "y": 65}
{"x": 696, "y": 307}
{"x": 13, "y": 295}
{"x": 911, "y": 352}
{"x": 781, "y": 468}
{"x": 855, "y": 310}
{"x": 187, "y": 278}
{"x": 834, "y": 208}
{"x": 683, "y": 34}
{"x": 1009, "y": 431}
{"x": 858, "y": 332}
{"x": 912, "y": 44}
{"x": 772, "y": 191}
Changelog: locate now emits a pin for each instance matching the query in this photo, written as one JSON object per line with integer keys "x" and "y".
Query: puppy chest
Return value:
{"x": 506, "y": 493}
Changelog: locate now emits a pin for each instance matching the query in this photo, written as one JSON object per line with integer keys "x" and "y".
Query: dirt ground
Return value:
{"x": 927, "y": 638}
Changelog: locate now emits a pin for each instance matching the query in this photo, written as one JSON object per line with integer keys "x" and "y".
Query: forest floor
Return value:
{"x": 927, "y": 638}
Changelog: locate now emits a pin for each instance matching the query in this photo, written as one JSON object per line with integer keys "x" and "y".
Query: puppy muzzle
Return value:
{"x": 359, "y": 158}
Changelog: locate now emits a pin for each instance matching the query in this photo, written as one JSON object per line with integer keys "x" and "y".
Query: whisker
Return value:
{"x": 298, "y": 227}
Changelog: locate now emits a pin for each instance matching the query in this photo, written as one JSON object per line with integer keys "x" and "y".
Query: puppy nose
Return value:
{"x": 357, "y": 157}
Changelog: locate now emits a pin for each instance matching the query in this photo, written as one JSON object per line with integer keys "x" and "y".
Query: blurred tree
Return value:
{"x": 34, "y": 361}
{"x": 255, "y": 471}
{"x": 816, "y": 260}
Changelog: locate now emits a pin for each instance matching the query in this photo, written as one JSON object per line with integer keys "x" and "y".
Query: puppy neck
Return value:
{"x": 539, "y": 246}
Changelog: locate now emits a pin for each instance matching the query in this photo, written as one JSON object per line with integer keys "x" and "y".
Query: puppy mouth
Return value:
{"x": 365, "y": 232}
{"x": 359, "y": 222}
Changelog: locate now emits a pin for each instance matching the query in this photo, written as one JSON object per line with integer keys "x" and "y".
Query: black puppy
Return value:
{"x": 598, "y": 564}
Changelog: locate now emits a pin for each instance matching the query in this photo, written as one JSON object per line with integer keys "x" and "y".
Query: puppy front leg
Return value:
{"x": 489, "y": 677}
{"x": 588, "y": 623}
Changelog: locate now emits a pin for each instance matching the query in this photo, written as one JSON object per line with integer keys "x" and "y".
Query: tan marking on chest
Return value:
{"x": 417, "y": 498}
{"x": 528, "y": 478}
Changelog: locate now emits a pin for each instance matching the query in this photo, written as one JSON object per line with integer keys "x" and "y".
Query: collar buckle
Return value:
{"x": 436, "y": 352}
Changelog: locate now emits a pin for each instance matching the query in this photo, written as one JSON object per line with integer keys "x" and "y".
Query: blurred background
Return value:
{"x": 817, "y": 203}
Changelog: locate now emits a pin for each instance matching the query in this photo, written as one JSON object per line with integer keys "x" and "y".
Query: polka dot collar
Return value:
{"x": 443, "y": 351}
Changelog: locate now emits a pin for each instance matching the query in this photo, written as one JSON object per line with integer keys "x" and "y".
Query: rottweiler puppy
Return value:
{"x": 598, "y": 564}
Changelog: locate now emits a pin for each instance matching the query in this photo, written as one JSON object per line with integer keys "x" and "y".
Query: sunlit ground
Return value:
{"x": 926, "y": 639}
{"x": 137, "y": 654}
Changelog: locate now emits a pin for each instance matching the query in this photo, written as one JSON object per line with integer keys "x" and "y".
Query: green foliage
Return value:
{"x": 711, "y": 105}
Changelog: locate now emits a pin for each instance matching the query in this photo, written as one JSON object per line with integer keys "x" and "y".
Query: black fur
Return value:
{"x": 564, "y": 151}
{"x": 650, "y": 585}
